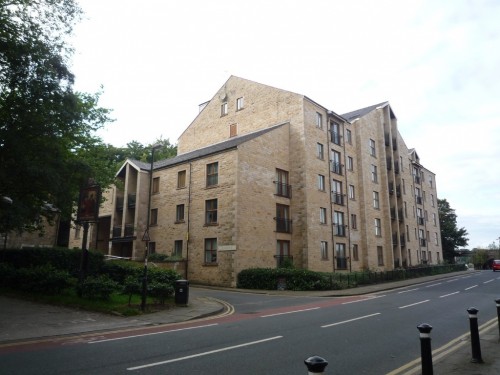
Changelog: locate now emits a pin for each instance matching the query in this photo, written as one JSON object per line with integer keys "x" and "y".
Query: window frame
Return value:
{"x": 155, "y": 189}
{"x": 181, "y": 179}
{"x": 210, "y": 251}
{"x": 180, "y": 213}
{"x": 211, "y": 212}
{"x": 212, "y": 173}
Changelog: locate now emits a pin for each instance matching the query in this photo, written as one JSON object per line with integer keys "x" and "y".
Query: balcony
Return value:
{"x": 396, "y": 167}
{"x": 283, "y": 260}
{"x": 394, "y": 144}
{"x": 423, "y": 242}
{"x": 283, "y": 225}
{"x": 131, "y": 198}
{"x": 419, "y": 199}
{"x": 129, "y": 230}
{"x": 336, "y": 167}
{"x": 389, "y": 164}
{"x": 119, "y": 203}
{"x": 339, "y": 230}
{"x": 416, "y": 179}
{"x": 283, "y": 190}
{"x": 420, "y": 220}
{"x": 341, "y": 263}
{"x": 394, "y": 240}
{"x": 335, "y": 137}
{"x": 402, "y": 240}
{"x": 117, "y": 231}
{"x": 391, "y": 188}
{"x": 338, "y": 198}
{"x": 387, "y": 139}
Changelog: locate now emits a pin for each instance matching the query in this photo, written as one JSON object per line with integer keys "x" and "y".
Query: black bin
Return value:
{"x": 181, "y": 292}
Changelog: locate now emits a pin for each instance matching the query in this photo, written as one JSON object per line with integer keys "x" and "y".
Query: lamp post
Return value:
{"x": 146, "y": 237}
{"x": 8, "y": 201}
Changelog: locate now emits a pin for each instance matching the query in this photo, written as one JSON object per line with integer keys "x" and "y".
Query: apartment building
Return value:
{"x": 265, "y": 176}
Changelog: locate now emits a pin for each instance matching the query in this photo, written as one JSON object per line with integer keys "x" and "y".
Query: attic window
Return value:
{"x": 233, "y": 130}
{"x": 239, "y": 104}
{"x": 223, "y": 109}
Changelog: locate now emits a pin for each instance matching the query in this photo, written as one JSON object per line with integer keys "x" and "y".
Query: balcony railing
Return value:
{"x": 338, "y": 198}
{"x": 419, "y": 199}
{"x": 283, "y": 225}
{"x": 336, "y": 167}
{"x": 420, "y": 220}
{"x": 416, "y": 179}
{"x": 389, "y": 164}
{"x": 131, "y": 200}
{"x": 396, "y": 167}
{"x": 395, "y": 240}
{"x": 341, "y": 263}
{"x": 282, "y": 260}
{"x": 423, "y": 242}
{"x": 119, "y": 203}
{"x": 283, "y": 190}
{"x": 335, "y": 137}
{"x": 117, "y": 231}
{"x": 402, "y": 240}
{"x": 339, "y": 230}
{"x": 129, "y": 230}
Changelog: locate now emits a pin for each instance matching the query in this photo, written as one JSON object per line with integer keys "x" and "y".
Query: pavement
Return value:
{"x": 22, "y": 320}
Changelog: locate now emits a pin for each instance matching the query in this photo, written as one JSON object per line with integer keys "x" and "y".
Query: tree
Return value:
{"x": 451, "y": 237}
{"x": 45, "y": 126}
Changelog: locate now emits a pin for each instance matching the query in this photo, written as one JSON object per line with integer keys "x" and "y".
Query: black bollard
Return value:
{"x": 498, "y": 314}
{"x": 474, "y": 336}
{"x": 316, "y": 365}
{"x": 425, "y": 348}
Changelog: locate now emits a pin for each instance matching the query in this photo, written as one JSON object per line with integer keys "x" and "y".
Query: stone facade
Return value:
{"x": 265, "y": 176}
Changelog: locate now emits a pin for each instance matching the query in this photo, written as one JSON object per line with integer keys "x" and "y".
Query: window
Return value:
{"x": 177, "y": 248}
{"x": 350, "y": 163}
{"x": 354, "y": 221}
{"x": 282, "y": 252}
{"x": 374, "y": 173}
{"x": 430, "y": 181}
{"x": 181, "y": 179}
{"x": 338, "y": 224}
{"x": 432, "y": 200}
{"x": 223, "y": 109}
{"x": 239, "y": 104}
{"x": 336, "y": 165}
{"x": 352, "y": 192}
{"x": 324, "y": 250}
{"x": 283, "y": 189}
{"x": 335, "y": 133}
{"x": 348, "y": 136}
{"x": 406, "y": 209}
{"x": 179, "y": 213}
{"x": 319, "y": 120}
{"x": 319, "y": 151}
{"x": 233, "y": 130}
{"x": 378, "y": 228}
{"x": 340, "y": 255}
{"x": 212, "y": 174}
{"x": 152, "y": 247}
{"x": 355, "y": 252}
{"x": 283, "y": 222}
{"x": 322, "y": 215}
{"x": 211, "y": 212}
{"x": 337, "y": 196}
{"x": 156, "y": 185}
{"x": 154, "y": 217}
{"x": 321, "y": 182}
{"x": 78, "y": 229}
{"x": 376, "y": 202}
{"x": 436, "y": 238}
{"x": 372, "y": 148}
{"x": 380, "y": 255}
{"x": 434, "y": 220}
{"x": 210, "y": 250}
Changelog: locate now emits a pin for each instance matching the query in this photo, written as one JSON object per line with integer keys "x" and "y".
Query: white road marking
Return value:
{"x": 473, "y": 286}
{"x": 363, "y": 300}
{"x": 428, "y": 286}
{"x": 447, "y": 295}
{"x": 350, "y": 320}
{"x": 414, "y": 304}
{"x": 203, "y": 354}
{"x": 290, "y": 312}
{"x": 409, "y": 290}
{"x": 489, "y": 281}
{"x": 152, "y": 333}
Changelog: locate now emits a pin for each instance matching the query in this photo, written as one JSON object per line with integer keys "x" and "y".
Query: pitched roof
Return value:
{"x": 350, "y": 116}
{"x": 202, "y": 152}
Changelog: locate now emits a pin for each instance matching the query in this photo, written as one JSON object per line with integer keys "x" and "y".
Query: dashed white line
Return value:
{"x": 363, "y": 300}
{"x": 471, "y": 287}
{"x": 350, "y": 320}
{"x": 489, "y": 281}
{"x": 428, "y": 286}
{"x": 414, "y": 304}
{"x": 204, "y": 353}
{"x": 447, "y": 295}
{"x": 289, "y": 312}
{"x": 409, "y": 290}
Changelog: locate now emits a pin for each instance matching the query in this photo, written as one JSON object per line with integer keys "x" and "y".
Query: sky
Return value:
{"x": 436, "y": 62}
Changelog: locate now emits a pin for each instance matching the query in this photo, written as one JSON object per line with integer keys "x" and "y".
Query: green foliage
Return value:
{"x": 160, "y": 275}
{"x": 44, "y": 279}
{"x": 119, "y": 270}
{"x": 100, "y": 287}
{"x": 160, "y": 291}
{"x": 295, "y": 279}
{"x": 43, "y": 122}
{"x": 131, "y": 286}
{"x": 451, "y": 236}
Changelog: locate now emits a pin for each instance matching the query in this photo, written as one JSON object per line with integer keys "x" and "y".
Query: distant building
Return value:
{"x": 265, "y": 176}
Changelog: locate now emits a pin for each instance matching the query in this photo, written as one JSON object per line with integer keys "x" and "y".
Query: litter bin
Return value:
{"x": 181, "y": 292}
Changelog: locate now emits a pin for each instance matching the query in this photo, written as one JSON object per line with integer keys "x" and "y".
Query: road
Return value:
{"x": 371, "y": 334}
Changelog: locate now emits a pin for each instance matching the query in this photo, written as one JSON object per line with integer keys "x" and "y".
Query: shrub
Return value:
{"x": 160, "y": 291}
{"x": 8, "y": 275}
{"x": 119, "y": 270}
{"x": 44, "y": 279}
{"x": 100, "y": 287}
{"x": 131, "y": 286}
{"x": 294, "y": 279}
